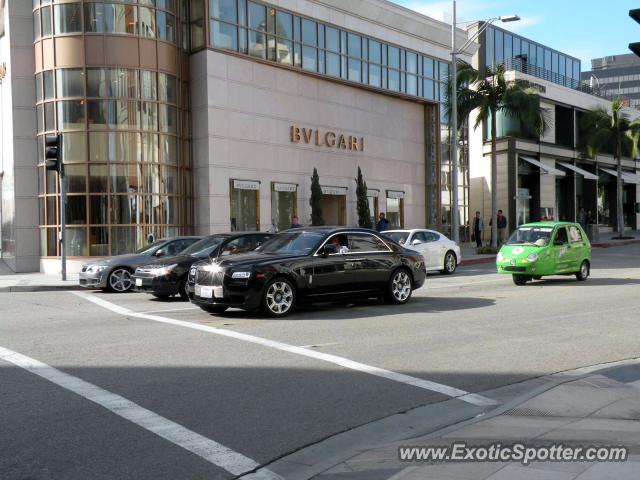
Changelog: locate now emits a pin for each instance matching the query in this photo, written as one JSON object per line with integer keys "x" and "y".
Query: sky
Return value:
{"x": 585, "y": 29}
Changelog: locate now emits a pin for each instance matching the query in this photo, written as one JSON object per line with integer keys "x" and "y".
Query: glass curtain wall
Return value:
{"x": 125, "y": 135}
{"x": 269, "y": 33}
{"x": 520, "y": 53}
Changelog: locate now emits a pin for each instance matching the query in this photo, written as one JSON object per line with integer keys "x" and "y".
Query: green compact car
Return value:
{"x": 539, "y": 249}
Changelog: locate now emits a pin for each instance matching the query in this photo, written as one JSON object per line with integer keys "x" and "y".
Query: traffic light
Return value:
{"x": 52, "y": 152}
{"x": 635, "y": 47}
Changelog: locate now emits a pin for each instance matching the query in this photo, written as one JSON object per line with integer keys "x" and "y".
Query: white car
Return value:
{"x": 440, "y": 253}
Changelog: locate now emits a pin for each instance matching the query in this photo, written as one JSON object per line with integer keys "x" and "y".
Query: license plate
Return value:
{"x": 138, "y": 282}
{"x": 204, "y": 292}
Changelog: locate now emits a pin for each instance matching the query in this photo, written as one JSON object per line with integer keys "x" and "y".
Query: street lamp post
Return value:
{"x": 455, "y": 207}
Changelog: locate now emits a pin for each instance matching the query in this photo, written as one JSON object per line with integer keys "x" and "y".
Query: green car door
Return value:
{"x": 560, "y": 249}
{"x": 580, "y": 248}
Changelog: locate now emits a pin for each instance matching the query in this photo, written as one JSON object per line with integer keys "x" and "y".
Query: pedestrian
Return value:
{"x": 582, "y": 218}
{"x": 383, "y": 223}
{"x": 502, "y": 228}
{"x": 295, "y": 222}
{"x": 478, "y": 228}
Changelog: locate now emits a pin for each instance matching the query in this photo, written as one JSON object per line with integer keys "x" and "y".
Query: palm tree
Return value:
{"x": 489, "y": 93}
{"x": 614, "y": 133}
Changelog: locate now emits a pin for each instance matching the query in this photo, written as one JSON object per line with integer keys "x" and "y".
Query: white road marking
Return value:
{"x": 211, "y": 451}
{"x": 171, "y": 310}
{"x": 453, "y": 392}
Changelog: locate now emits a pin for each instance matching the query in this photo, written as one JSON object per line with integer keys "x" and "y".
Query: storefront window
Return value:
{"x": 244, "y": 205}
{"x": 395, "y": 209}
{"x": 283, "y": 204}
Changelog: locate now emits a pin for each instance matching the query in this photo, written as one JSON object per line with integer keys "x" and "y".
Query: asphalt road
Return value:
{"x": 166, "y": 396}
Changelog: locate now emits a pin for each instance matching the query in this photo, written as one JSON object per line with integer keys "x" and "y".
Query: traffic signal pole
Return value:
{"x": 63, "y": 211}
{"x": 54, "y": 162}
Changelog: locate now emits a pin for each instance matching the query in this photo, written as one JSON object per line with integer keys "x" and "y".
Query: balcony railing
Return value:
{"x": 521, "y": 65}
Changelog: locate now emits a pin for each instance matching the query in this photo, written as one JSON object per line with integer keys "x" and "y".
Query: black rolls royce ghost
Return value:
{"x": 168, "y": 276}
{"x": 307, "y": 265}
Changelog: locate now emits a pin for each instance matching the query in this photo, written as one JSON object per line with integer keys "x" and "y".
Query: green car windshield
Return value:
{"x": 540, "y": 236}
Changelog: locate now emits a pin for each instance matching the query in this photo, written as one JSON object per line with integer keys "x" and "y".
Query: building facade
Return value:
{"x": 205, "y": 116}
{"x": 616, "y": 76}
{"x": 546, "y": 177}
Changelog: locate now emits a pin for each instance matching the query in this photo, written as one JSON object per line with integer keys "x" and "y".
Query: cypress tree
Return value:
{"x": 364, "y": 214}
{"x": 315, "y": 200}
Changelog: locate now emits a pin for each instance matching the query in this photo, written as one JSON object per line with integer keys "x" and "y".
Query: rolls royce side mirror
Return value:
{"x": 416, "y": 242}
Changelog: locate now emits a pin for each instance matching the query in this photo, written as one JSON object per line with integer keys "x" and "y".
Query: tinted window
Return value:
{"x": 431, "y": 236}
{"x": 561, "y": 235}
{"x": 204, "y": 247}
{"x": 152, "y": 246}
{"x": 292, "y": 243}
{"x": 179, "y": 245}
{"x": 364, "y": 242}
{"x": 399, "y": 237}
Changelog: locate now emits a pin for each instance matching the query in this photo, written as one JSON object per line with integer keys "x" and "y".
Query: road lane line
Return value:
{"x": 453, "y": 392}
{"x": 171, "y": 310}
{"x": 211, "y": 451}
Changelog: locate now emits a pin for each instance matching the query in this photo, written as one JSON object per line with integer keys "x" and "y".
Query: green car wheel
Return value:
{"x": 520, "y": 280}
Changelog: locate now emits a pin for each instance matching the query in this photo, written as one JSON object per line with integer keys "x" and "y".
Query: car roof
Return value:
{"x": 185, "y": 237}
{"x": 329, "y": 230}
{"x": 547, "y": 224}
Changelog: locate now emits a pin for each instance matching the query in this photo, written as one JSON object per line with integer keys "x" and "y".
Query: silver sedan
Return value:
{"x": 114, "y": 273}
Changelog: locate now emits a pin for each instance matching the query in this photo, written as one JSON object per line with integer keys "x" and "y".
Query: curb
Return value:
{"x": 39, "y": 288}
{"x": 620, "y": 243}
{"x": 478, "y": 261}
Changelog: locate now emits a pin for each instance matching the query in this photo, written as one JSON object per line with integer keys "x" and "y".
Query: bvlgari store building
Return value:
{"x": 206, "y": 116}
{"x": 287, "y": 87}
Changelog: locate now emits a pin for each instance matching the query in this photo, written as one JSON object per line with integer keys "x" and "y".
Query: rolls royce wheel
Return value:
{"x": 583, "y": 274}
{"x": 279, "y": 297}
{"x": 450, "y": 263}
{"x": 214, "y": 308}
{"x": 520, "y": 280}
{"x": 119, "y": 280}
{"x": 400, "y": 287}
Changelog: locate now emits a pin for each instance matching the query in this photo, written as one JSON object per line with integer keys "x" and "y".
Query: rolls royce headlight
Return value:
{"x": 532, "y": 257}
{"x": 213, "y": 268}
{"x": 242, "y": 275}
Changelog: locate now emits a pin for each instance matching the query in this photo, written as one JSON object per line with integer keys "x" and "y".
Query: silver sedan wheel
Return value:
{"x": 450, "y": 262}
{"x": 120, "y": 280}
{"x": 401, "y": 286}
{"x": 279, "y": 297}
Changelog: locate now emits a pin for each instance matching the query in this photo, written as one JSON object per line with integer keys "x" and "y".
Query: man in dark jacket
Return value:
{"x": 295, "y": 222}
{"x": 478, "y": 228}
{"x": 383, "y": 223}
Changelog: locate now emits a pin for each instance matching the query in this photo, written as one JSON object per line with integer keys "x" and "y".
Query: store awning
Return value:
{"x": 626, "y": 176}
{"x": 584, "y": 173}
{"x": 543, "y": 167}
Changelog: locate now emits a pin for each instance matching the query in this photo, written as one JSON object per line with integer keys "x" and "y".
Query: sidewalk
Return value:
{"x": 34, "y": 282}
{"x": 599, "y": 409}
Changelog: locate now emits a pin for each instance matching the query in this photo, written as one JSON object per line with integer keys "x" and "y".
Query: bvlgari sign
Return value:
{"x": 329, "y": 139}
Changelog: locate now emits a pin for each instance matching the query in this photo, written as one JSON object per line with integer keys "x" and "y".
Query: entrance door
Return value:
{"x": 334, "y": 210}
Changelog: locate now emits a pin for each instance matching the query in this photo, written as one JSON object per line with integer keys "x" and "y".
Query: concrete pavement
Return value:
{"x": 599, "y": 409}
{"x": 230, "y": 380}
